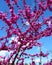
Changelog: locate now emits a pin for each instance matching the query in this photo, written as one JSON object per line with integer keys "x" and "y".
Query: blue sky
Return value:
{"x": 46, "y": 41}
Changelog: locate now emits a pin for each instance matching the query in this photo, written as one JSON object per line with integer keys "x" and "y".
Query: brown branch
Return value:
{"x": 20, "y": 56}
{"x": 16, "y": 55}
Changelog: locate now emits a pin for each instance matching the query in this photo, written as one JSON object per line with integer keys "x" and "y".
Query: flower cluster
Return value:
{"x": 24, "y": 36}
